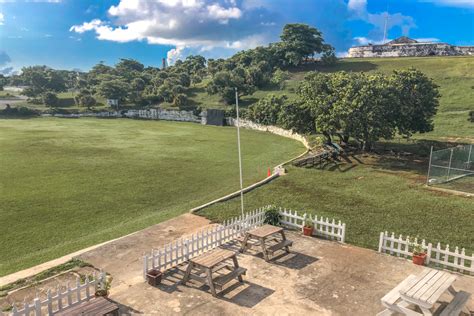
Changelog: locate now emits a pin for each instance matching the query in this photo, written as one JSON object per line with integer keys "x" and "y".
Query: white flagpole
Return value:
{"x": 240, "y": 155}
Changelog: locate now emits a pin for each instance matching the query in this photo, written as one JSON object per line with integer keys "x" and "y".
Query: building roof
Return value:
{"x": 402, "y": 40}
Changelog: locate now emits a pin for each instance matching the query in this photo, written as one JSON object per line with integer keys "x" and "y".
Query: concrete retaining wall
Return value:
{"x": 271, "y": 129}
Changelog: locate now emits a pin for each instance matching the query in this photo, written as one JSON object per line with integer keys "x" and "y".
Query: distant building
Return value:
{"x": 407, "y": 47}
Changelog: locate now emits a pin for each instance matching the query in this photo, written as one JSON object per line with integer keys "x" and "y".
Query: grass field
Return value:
{"x": 68, "y": 184}
{"x": 369, "y": 199}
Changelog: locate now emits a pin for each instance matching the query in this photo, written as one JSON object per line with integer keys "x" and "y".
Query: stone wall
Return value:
{"x": 269, "y": 128}
{"x": 410, "y": 50}
{"x": 164, "y": 114}
{"x": 150, "y": 114}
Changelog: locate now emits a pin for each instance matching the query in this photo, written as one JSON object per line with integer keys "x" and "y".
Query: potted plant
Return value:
{"x": 308, "y": 228}
{"x": 419, "y": 254}
{"x": 272, "y": 216}
{"x": 104, "y": 282}
{"x": 153, "y": 277}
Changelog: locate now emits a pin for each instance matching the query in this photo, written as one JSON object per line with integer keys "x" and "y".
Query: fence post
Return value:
{"x": 37, "y": 303}
{"x": 343, "y": 237}
{"x": 381, "y": 241}
{"x": 429, "y": 167}
{"x": 50, "y": 302}
{"x": 449, "y": 167}
{"x": 428, "y": 253}
{"x": 145, "y": 266}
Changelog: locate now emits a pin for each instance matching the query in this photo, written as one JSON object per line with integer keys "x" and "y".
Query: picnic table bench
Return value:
{"x": 213, "y": 261}
{"x": 424, "y": 291}
{"x": 96, "y": 306}
{"x": 264, "y": 234}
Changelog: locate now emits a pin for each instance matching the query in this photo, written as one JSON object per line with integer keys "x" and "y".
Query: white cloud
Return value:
{"x": 453, "y": 3}
{"x": 189, "y": 25}
{"x": 2, "y": 18}
{"x": 359, "y": 6}
{"x": 379, "y": 21}
{"x": 86, "y": 26}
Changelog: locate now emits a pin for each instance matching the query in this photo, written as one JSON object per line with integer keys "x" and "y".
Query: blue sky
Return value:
{"x": 70, "y": 34}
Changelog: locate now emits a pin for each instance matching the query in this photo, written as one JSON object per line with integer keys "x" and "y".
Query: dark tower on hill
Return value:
{"x": 163, "y": 63}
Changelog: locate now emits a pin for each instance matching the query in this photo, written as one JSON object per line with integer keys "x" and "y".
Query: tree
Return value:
{"x": 181, "y": 101}
{"x": 268, "y": 110}
{"x": 3, "y": 82}
{"x": 137, "y": 87}
{"x": 225, "y": 82}
{"x": 301, "y": 41}
{"x": 328, "y": 57}
{"x": 50, "y": 99}
{"x": 129, "y": 68}
{"x": 418, "y": 101}
{"x": 41, "y": 79}
{"x": 84, "y": 98}
{"x": 112, "y": 87}
{"x": 279, "y": 77}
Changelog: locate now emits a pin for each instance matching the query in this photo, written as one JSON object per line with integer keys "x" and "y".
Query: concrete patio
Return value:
{"x": 319, "y": 277}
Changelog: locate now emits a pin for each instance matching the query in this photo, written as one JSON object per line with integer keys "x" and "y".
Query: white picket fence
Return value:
{"x": 325, "y": 228}
{"x": 61, "y": 299}
{"x": 443, "y": 258}
{"x": 182, "y": 250}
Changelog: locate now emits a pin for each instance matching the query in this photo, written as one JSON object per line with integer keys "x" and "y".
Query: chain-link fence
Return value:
{"x": 453, "y": 168}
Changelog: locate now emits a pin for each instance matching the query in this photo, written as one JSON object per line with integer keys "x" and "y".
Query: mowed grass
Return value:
{"x": 68, "y": 184}
{"x": 369, "y": 200}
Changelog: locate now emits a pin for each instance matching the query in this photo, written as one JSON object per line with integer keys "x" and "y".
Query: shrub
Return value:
{"x": 181, "y": 101}
{"x": 272, "y": 216}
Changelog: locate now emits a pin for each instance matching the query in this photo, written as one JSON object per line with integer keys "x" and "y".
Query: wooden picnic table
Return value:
{"x": 213, "y": 261}
{"x": 262, "y": 234}
{"x": 424, "y": 291}
{"x": 96, "y": 306}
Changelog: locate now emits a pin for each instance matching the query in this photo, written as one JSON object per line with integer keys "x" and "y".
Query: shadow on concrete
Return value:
{"x": 126, "y": 310}
{"x": 293, "y": 260}
{"x": 248, "y": 297}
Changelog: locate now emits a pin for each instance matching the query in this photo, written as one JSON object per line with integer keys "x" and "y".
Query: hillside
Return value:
{"x": 454, "y": 75}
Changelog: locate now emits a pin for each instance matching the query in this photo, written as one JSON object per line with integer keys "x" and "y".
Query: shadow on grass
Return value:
{"x": 340, "y": 66}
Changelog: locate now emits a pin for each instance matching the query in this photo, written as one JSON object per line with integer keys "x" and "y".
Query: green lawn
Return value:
{"x": 369, "y": 199}
{"x": 70, "y": 183}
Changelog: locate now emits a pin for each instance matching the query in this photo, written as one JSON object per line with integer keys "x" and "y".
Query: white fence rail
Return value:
{"x": 325, "y": 228}
{"x": 61, "y": 299}
{"x": 444, "y": 258}
{"x": 182, "y": 250}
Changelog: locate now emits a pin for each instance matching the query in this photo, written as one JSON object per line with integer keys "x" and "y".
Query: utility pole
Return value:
{"x": 240, "y": 154}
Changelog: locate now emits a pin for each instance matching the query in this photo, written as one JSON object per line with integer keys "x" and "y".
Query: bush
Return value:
{"x": 50, "y": 99}
{"x": 272, "y": 216}
{"x": 471, "y": 116}
{"x": 279, "y": 78}
{"x": 18, "y": 112}
{"x": 181, "y": 101}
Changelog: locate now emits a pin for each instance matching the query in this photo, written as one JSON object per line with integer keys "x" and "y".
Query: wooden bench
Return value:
{"x": 390, "y": 299}
{"x": 222, "y": 280}
{"x": 283, "y": 244}
{"x": 96, "y": 306}
{"x": 263, "y": 234}
{"x": 457, "y": 304}
{"x": 210, "y": 262}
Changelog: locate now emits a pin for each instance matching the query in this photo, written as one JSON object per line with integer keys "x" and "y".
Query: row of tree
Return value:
{"x": 363, "y": 106}
{"x": 131, "y": 82}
